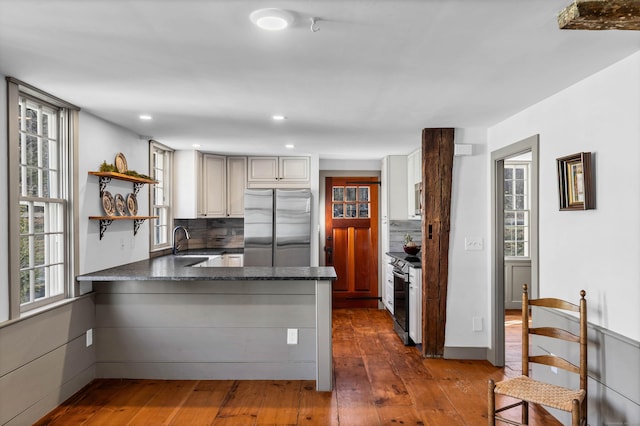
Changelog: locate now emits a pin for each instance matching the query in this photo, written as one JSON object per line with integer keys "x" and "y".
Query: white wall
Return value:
{"x": 596, "y": 250}
{"x": 101, "y": 141}
{"x": 468, "y": 284}
{"x": 4, "y": 218}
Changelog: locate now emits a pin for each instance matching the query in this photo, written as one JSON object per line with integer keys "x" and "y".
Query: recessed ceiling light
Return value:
{"x": 271, "y": 19}
{"x": 145, "y": 117}
{"x": 289, "y": 146}
{"x": 196, "y": 145}
{"x": 279, "y": 117}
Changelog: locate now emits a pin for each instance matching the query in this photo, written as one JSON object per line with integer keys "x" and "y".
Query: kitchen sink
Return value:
{"x": 212, "y": 261}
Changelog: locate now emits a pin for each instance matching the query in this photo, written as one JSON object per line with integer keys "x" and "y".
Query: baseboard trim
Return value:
{"x": 465, "y": 353}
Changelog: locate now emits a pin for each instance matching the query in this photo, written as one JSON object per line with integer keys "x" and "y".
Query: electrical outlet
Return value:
{"x": 89, "y": 335}
{"x": 121, "y": 243}
{"x": 292, "y": 336}
{"x": 477, "y": 323}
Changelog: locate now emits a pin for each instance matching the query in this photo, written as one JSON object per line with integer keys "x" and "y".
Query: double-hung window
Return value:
{"x": 516, "y": 209}
{"x": 160, "y": 166}
{"x": 41, "y": 231}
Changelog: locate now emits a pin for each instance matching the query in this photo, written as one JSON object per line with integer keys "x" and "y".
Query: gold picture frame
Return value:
{"x": 575, "y": 182}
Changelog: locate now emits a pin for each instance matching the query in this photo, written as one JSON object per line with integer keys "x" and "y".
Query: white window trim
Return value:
{"x": 168, "y": 186}
{"x": 15, "y": 89}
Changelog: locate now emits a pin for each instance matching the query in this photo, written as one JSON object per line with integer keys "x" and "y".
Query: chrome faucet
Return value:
{"x": 175, "y": 243}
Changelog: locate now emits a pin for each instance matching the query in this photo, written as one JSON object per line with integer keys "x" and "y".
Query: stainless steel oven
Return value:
{"x": 401, "y": 300}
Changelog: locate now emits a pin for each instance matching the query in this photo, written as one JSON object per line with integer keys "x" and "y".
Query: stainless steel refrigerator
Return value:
{"x": 277, "y": 227}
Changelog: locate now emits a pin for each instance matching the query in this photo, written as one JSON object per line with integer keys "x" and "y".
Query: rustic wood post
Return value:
{"x": 437, "y": 167}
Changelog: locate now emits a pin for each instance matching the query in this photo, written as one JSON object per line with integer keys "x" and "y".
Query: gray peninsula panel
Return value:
{"x": 163, "y": 319}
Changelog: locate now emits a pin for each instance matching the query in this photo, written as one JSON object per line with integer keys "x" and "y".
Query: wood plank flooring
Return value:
{"x": 378, "y": 381}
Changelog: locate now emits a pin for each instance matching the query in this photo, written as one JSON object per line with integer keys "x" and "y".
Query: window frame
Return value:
{"x": 527, "y": 210}
{"x": 167, "y": 185}
{"x": 68, "y": 150}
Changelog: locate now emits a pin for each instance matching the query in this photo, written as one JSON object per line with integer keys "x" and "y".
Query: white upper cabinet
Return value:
{"x": 395, "y": 187}
{"x": 214, "y": 185}
{"x": 208, "y": 185}
{"x": 236, "y": 184}
{"x": 281, "y": 172}
{"x": 187, "y": 197}
{"x": 414, "y": 177}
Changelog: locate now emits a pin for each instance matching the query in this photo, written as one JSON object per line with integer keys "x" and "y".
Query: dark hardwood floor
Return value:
{"x": 378, "y": 381}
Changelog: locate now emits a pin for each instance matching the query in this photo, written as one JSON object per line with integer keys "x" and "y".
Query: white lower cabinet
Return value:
{"x": 233, "y": 260}
{"x": 415, "y": 304}
{"x": 387, "y": 288}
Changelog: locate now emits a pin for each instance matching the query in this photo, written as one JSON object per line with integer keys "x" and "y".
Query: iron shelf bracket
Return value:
{"x": 136, "y": 187}
{"x": 136, "y": 225}
{"x": 104, "y": 224}
{"x": 103, "y": 181}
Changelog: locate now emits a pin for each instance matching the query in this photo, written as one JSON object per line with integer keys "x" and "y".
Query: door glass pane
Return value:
{"x": 338, "y": 210}
{"x": 338, "y": 193}
{"x": 363, "y": 210}
{"x": 350, "y": 193}
{"x": 351, "y": 210}
{"x": 363, "y": 193}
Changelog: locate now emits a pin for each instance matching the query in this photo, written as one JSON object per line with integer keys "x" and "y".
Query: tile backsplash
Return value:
{"x": 397, "y": 230}
{"x": 213, "y": 232}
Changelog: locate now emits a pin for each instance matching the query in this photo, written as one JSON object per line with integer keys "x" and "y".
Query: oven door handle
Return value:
{"x": 400, "y": 275}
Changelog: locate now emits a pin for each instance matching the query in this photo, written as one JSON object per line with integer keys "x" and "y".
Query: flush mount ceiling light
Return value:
{"x": 271, "y": 19}
{"x": 278, "y": 117}
{"x": 145, "y": 117}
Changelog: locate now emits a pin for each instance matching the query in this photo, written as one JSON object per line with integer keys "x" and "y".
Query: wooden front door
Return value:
{"x": 351, "y": 246}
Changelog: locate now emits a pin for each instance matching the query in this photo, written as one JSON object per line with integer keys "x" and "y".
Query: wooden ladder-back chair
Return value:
{"x": 528, "y": 390}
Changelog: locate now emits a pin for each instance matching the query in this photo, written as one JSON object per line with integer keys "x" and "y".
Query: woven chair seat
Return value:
{"x": 527, "y": 389}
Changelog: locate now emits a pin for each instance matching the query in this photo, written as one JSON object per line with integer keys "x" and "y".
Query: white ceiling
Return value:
{"x": 362, "y": 87}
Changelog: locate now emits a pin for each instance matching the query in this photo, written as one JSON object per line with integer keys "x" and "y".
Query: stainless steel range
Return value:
{"x": 401, "y": 299}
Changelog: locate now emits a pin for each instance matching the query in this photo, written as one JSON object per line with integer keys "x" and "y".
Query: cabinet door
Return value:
{"x": 387, "y": 296}
{"x": 233, "y": 260}
{"x": 187, "y": 198}
{"x": 293, "y": 169}
{"x": 415, "y": 304}
{"x": 214, "y": 184}
{"x": 236, "y": 184}
{"x": 414, "y": 176}
{"x": 396, "y": 185}
{"x": 263, "y": 169}
{"x": 417, "y": 166}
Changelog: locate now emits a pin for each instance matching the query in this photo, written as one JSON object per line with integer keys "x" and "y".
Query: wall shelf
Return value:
{"x": 105, "y": 178}
{"x": 138, "y": 182}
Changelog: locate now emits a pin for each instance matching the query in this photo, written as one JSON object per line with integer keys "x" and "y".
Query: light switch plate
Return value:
{"x": 473, "y": 244}
{"x": 292, "y": 336}
{"x": 89, "y": 337}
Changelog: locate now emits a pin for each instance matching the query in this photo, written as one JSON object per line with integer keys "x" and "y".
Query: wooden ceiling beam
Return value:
{"x": 601, "y": 15}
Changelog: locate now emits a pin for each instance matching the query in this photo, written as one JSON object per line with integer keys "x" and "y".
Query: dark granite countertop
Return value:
{"x": 415, "y": 261}
{"x": 210, "y": 251}
{"x": 177, "y": 268}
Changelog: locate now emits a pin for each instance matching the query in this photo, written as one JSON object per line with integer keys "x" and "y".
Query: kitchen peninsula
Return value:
{"x": 162, "y": 318}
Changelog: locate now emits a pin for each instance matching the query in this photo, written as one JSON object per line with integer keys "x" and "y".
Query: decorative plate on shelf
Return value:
{"x": 121, "y": 163}
{"x": 108, "y": 203}
{"x": 132, "y": 204}
{"x": 121, "y": 206}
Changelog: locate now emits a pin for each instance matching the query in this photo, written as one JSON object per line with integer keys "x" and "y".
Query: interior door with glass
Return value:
{"x": 351, "y": 246}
